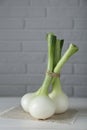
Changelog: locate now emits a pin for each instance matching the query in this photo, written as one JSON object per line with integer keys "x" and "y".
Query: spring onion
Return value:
{"x": 57, "y": 100}
{"x": 57, "y": 94}
{"x": 36, "y": 106}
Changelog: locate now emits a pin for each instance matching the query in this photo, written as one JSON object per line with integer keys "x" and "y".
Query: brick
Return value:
{"x": 74, "y": 35}
{"x": 12, "y": 90}
{"x": 82, "y": 46}
{"x": 36, "y": 12}
{"x": 54, "y": 3}
{"x": 21, "y": 57}
{"x": 34, "y": 46}
{"x": 64, "y": 3}
{"x": 45, "y": 23}
{"x": 68, "y": 90}
{"x": 6, "y": 23}
{"x": 80, "y": 68}
{"x": 22, "y": 12}
{"x": 32, "y": 88}
{"x": 15, "y": 68}
{"x": 67, "y": 69}
{"x": 18, "y": 2}
{"x": 78, "y": 58}
{"x": 80, "y": 91}
{"x": 74, "y": 79}
{"x": 9, "y": 46}
{"x": 80, "y": 24}
{"x": 12, "y": 11}
{"x": 22, "y": 35}
{"x": 68, "y": 12}
{"x": 40, "y": 3}
{"x": 3, "y": 3}
{"x": 83, "y": 3}
{"x": 37, "y": 68}
{"x": 34, "y": 35}
{"x": 21, "y": 79}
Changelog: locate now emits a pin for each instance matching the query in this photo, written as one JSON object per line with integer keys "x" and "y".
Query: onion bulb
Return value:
{"x": 25, "y": 101}
{"x": 42, "y": 107}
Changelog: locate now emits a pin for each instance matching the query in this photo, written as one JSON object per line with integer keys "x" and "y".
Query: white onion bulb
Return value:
{"x": 42, "y": 107}
{"x": 25, "y": 101}
{"x": 61, "y": 101}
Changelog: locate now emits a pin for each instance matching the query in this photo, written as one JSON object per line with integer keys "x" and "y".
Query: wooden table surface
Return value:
{"x": 20, "y": 124}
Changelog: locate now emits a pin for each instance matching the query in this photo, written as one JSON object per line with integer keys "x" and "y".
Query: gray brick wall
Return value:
{"x": 23, "y": 49}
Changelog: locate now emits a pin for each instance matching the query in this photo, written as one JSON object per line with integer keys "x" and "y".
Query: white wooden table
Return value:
{"x": 14, "y": 124}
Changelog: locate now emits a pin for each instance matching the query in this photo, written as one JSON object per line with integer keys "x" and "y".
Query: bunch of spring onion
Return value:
{"x": 42, "y": 104}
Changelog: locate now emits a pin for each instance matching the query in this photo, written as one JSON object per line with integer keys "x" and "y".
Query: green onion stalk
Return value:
{"x": 57, "y": 56}
{"x": 51, "y": 39}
